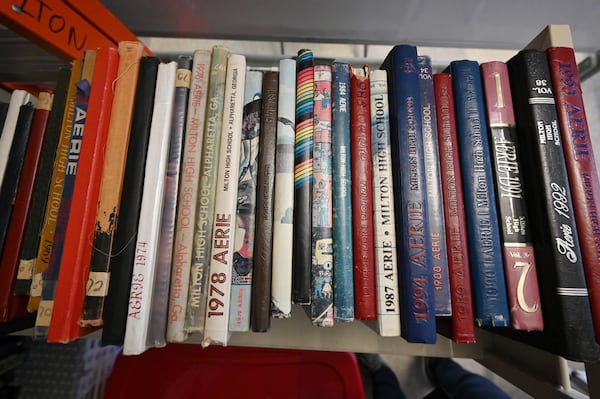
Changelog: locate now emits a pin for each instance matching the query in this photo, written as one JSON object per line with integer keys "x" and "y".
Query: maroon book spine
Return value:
{"x": 581, "y": 167}
{"x": 463, "y": 323}
{"x": 365, "y": 301}
{"x": 519, "y": 260}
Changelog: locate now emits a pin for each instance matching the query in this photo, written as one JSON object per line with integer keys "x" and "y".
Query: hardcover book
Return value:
{"x": 113, "y": 304}
{"x": 31, "y": 242}
{"x": 487, "y": 269}
{"x": 243, "y": 255}
{"x": 462, "y": 322}
{"x": 74, "y": 123}
{"x": 388, "y": 305}
{"x": 283, "y": 213}
{"x": 321, "y": 304}
{"x": 188, "y": 195}
{"x": 162, "y": 276}
{"x": 60, "y": 285}
{"x": 343, "y": 267}
{"x": 46, "y": 239}
{"x": 13, "y": 216}
{"x": 17, "y": 99}
{"x": 15, "y": 162}
{"x": 303, "y": 177}
{"x": 196, "y": 301}
{"x": 417, "y": 305}
{"x": 71, "y": 292}
{"x": 27, "y": 187}
{"x": 149, "y": 227}
{"x": 221, "y": 250}
{"x": 581, "y": 166}
{"x": 115, "y": 158}
{"x": 363, "y": 233}
{"x": 435, "y": 210}
{"x": 568, "y": 328}
{"x": 263, "y": 250}
{"x": 519, "y": 259}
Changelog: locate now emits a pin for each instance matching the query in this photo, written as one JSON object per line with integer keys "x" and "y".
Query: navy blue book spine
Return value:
{"x": 417, "y": 305}
{"x": 485, "y": 250}
{"x": 343, "y": 276}
{"x": 437, "y": 229}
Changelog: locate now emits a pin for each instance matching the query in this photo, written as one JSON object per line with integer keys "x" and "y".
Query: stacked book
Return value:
{"x": 163, "y": 198}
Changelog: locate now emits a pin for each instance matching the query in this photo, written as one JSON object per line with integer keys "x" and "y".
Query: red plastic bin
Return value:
{"x": 189, "y": 371}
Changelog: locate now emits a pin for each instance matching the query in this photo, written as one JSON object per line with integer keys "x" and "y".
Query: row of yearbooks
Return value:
{"x": 206, "y": 197}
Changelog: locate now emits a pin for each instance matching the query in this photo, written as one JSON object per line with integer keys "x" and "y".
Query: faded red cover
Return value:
{"x": 365, "y": 299}
{"x": 77, "y": 250}
{"x": 517, "y": 243}
{"x": 463, "y": 323}
{"x": 581, "y": 167}
{"x": 16, "y": 231}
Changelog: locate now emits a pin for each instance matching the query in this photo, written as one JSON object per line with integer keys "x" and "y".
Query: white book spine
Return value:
{"x": 17, "y": 98}
{"x": 221, "y": 256}
{"x": 283, "y": 227}
{"x": 188, "y": 194}
{"x": 388, "y": 306}
{"x": 146, "y": 247}
{"x": 241, "y": 277}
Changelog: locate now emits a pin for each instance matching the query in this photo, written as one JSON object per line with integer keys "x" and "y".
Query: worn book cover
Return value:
{"x": 412, "y": 227}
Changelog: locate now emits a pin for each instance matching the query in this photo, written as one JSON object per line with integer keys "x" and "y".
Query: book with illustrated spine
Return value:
{"x": 384, "y": 219}
{"x": 321, "y": 304}
{"x": 283, "y": 212}
{"x": 188, "y": 196}
{"x": 148, "y": 235}
{"x": 243, "y": 256}
{"x": 221, "y": 250}
{"x": 211, "y": 140}
{"x": 303, "y": 177}
{"x": 343, "y": 273}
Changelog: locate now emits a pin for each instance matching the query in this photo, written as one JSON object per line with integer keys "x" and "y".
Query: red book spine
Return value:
{"x": 463, "y": 323}
{"x": 73, "y": 278}
{"x": 365, "y": 300}
{"x": 581, "y": 167}
{"x": 16, "y": 230}
{"x": 520, "y": 267}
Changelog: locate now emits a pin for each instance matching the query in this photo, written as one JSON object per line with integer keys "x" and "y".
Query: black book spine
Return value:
{"x": 260, "y": 315}
{"x": 568, "y": 329}
{"x": 116, "y": 302}
{"x": 43, "y": 179}
{"x": 14, "y": 166}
